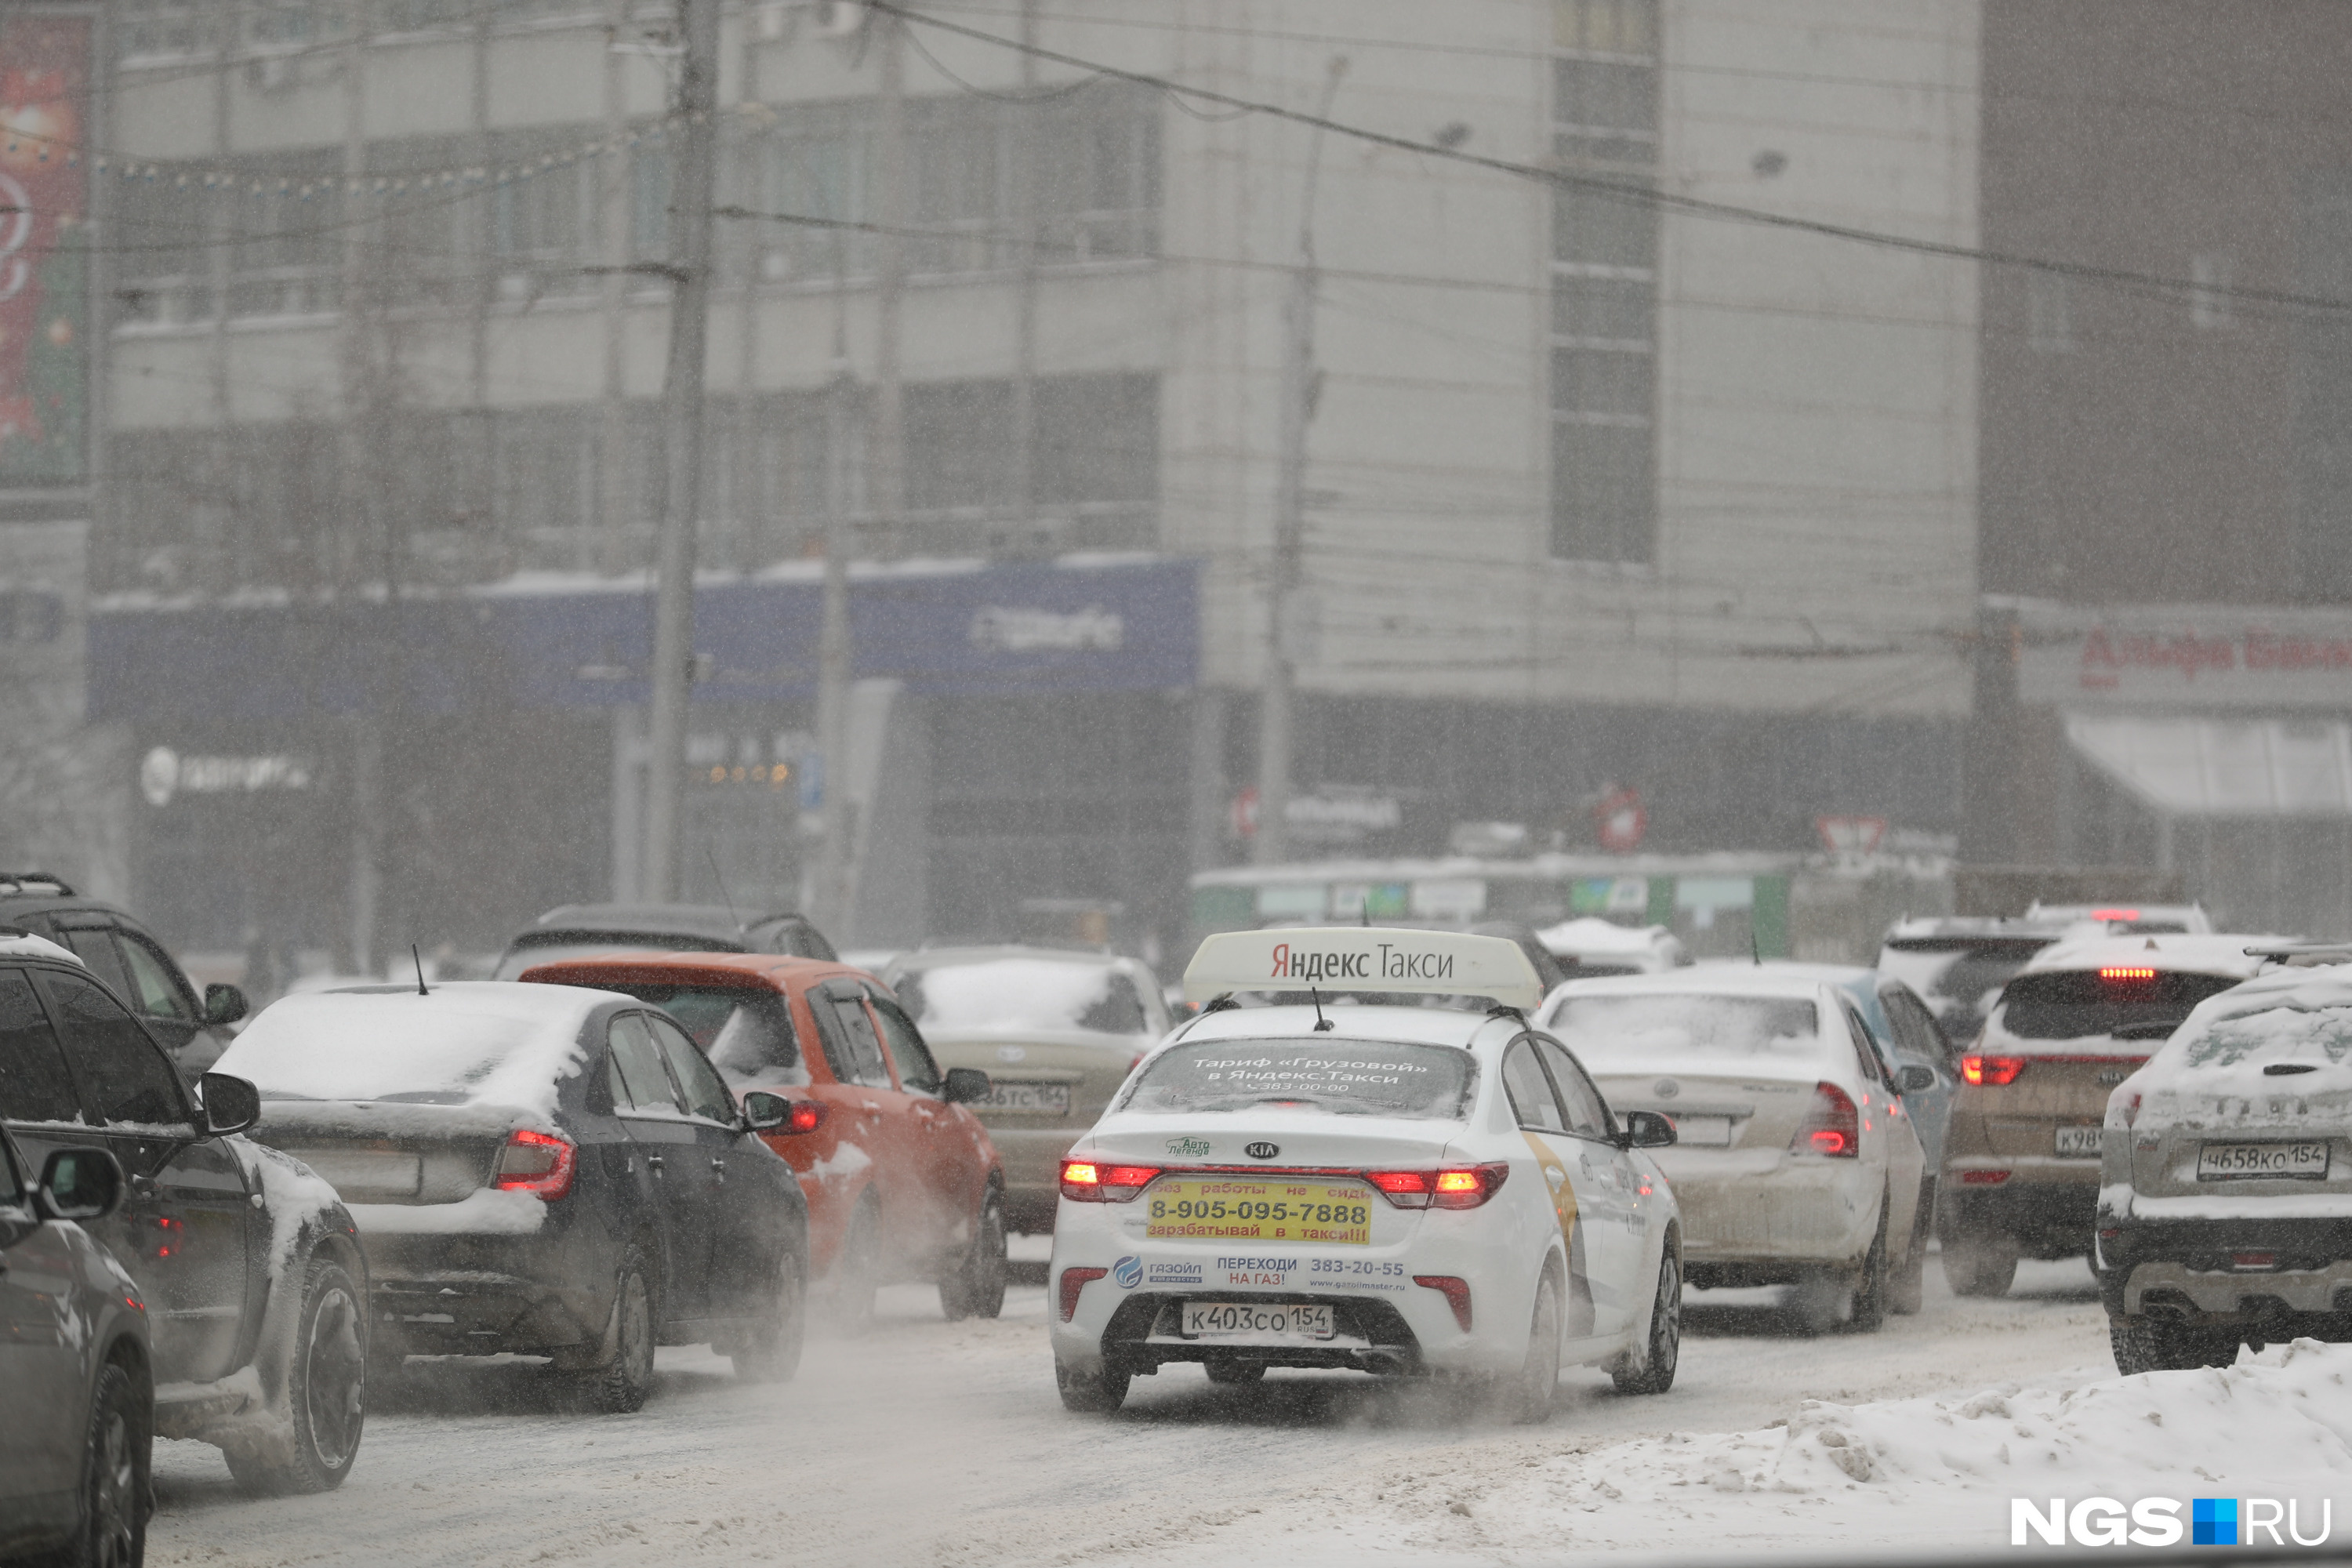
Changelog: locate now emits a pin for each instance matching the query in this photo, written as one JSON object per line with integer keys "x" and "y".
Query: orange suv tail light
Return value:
{"x": 1833, "y": 1127}
{"x": 1997, "y": 1071}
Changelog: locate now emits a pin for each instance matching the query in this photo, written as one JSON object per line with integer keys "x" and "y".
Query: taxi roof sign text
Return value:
{"x": 1363, "y": 958}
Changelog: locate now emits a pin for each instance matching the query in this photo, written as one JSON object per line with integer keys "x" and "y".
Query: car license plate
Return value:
{"x": 1255, "y": 1320}
{"x": 2078, "y": 1142}
{"x": 1021, "y": 1094}
{"x": 1703, "y": 1132}
{"x": 2230, "y": 1162}
{"x": 1229, "y": 1208}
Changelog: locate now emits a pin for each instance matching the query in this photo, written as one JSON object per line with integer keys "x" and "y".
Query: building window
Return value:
{"x": 2208, "y": 302}
{"x": 2049, "y": 314}
{"x": 1604, "y": 336}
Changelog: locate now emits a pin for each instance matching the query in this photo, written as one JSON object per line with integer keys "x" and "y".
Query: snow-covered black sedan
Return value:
{"x": 540, "y": 1170}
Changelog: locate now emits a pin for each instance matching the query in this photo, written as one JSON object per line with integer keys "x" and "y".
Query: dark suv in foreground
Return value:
{"x": 247, "y": 1263}
{"x": 123, "y": 953}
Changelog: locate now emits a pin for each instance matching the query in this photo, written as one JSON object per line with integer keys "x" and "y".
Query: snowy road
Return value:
{"x": 928, "y": 1442}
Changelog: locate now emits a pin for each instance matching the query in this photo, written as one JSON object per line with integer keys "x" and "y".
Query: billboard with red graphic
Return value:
{"x": 44, "y": 64}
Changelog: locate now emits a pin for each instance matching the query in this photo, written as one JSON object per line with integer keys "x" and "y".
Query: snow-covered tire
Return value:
{"x": 1090, "y": 1394}
{"x": 2142, "y": 1344}
{"x": 1979, "y": 1265}
{"x": 116, "y": 1454}
{"x": 1662, "y": 1350}
{"x": 770, "y": 1352}
{"x": 976, "y": 1288}
{"x": 1907, "y": 1285}
{"x": 857, "y": 1272}
{"x": 324, "y": 1390}
{"x": 619, "y": 1385}
{"x": 1525, "y": 1397}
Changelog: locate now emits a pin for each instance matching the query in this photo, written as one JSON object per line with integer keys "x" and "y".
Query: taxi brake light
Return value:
{"x": 2127, "y": 974}
{"x": 535, "y": 1162}
{"x": 1995, "y": 1072}
{"x": 1073, "y": 1282}
{"x": 1833, "y": 1127}
{"x": 1467, "y": 1187}
{"x": 2115, "y": 914}
{"x": 1405, "y": 1189}
{"x": 1983, "y": 1178}
{"x": 1456, "y": 1292}
{"x": 1096, "y": 1182}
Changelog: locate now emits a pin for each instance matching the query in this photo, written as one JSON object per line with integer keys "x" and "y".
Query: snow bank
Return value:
{"x": 484, "y": 1041}
{"x": 1939, "y": 1471}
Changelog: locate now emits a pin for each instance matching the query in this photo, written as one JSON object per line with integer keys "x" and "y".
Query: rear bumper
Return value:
{"x": 1764, "y": 1217}
{"x": 2044, "y": 1207}
{"x": 472, "y": 1295}
{"x": 2189, "y": 1270}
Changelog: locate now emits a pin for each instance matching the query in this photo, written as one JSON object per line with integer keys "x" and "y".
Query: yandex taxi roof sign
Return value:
{"x": 1363, "y": 958}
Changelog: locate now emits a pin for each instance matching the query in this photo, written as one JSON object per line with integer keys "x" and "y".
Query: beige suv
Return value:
{"x": 1054, "y": 1029}
{"x": 2021, "y": 1157}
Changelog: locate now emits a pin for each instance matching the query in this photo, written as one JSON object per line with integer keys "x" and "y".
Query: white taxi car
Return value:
{"x": 1336, "y": 1179}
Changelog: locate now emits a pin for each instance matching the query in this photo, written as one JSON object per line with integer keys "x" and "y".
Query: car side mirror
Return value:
{"x": 78, "y": 1184}
{"x": 224, "y": 1004}
{"x": 966, "y": 1086}
{"x": 1914, "y": 1080}
{"x": 1646, "y": 1130}
{"x": 763, "y": 1112}
{"x": 231, "y": 1104}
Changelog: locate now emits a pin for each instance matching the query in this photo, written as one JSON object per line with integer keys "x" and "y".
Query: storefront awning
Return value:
{"x": 2189, "y": 766}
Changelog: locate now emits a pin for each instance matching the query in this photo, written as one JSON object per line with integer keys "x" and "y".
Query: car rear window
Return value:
{"x": 563, "y": 948}
{"x": 457, "y": 1045}
{"x": 2079, "y": 1003}
{"x": 1606, "y": 1030}
{"x": 2279, "y": 1034}
{"x": 1346, "y": 1078}
{"x": 1959, "y": 967}
{"x": 1022, "y": 994}
{"x": 747, "y": 1034}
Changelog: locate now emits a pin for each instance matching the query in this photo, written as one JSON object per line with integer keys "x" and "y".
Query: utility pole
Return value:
{"x": 1030, "y": 236}
{"x": 692, "y": 195}
{"x": 1275, "y": 734}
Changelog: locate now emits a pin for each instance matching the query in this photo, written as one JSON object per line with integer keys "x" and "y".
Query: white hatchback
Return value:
{"x": 1354, "y": 1183}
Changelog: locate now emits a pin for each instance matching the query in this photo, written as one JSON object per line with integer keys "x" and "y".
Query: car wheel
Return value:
{"x": 326, "y": 1393}
{"x": 1236, "y": 1373}
{"x": 1662, "y": 1353}
{"x": 114, "y": 1480}
{"x": 1091, "y": 1394}
{"x": 1906, "y": 1286}
{"x": 1525, "y": 1397}
{"x": 770, "y": 1352}
{"x": 1979, "y": 1265}
{"x": 1868, "y": 1313}
{"x": 976, "y": 1288}
{"x": 620, "y": 1384}
{"x": 857, "y": 1272}
{"x": 2142, "y": 1344}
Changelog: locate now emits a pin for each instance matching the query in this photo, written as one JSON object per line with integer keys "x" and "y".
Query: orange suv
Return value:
{"x": 901, "y": 1179}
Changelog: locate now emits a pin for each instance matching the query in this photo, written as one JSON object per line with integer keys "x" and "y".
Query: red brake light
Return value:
{"x": 2127, "y": 974}
{"x": 1093, "y": 1181}
{"x": 1405, "y": 1189}
{"x": 2124, "y": 1106}
{"x": 1983, "y": 1178}
{"x": 535, "y": 1162}
{"x": 806, "y": 1116}
{"x": 2115, "y": 914}
{"x": 1832, "y": 1128}
{"x": 1073, "y": 1282}
{"x": 1997, "y": 1071}
{"x": 1469, "y": 1187}
{"x": 1456, "y": 1291}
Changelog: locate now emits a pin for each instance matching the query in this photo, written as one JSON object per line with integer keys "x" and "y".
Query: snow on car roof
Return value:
{"x": 2202, "y": 954}
{"x": 2304, "y": 990}
{"x": 1590, "y": 933}
{"x": 1350, "y": 1021}
{"x": 482, "y": 1042}
{"x": 1704, "y": 980}
{"x": 25, "y": 944}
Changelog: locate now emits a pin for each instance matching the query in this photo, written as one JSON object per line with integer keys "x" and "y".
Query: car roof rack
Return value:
{"x": 2303, "y": 954}
{"x": 35, "y": 882}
